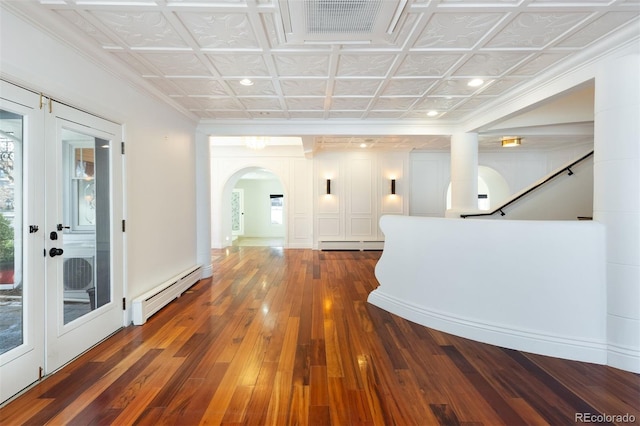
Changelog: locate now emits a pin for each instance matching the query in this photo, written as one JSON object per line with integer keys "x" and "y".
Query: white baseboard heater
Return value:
{"x": 152, "y": 301}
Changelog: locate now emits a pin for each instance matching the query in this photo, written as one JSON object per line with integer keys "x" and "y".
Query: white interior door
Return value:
{"x": 22, "y": 290}
{"x": 84, "y": 276}
{"x": 61, "y": 238}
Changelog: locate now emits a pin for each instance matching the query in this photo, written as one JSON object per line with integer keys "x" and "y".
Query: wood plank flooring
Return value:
{"x": 284, "y": 337}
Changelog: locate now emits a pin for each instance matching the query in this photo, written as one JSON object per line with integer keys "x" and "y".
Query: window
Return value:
{"x": 277, "y": 203}
{"x": 82, "y": 192}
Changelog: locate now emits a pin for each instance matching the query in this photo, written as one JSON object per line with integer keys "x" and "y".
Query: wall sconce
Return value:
{"x": 393, "y": 187}
{"x": 328, "y": 186}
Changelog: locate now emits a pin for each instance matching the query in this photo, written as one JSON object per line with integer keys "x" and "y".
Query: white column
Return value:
{"x": 464, "y": 174}
{"x": 203, "y": 200}
{"x": 617, "y": 202}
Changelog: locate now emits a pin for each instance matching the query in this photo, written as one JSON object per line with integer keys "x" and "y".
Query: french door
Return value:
{"x": 22, "y": 290}
{"x": 65, "y": 181}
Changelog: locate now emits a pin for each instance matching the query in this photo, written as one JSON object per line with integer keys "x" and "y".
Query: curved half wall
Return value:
{"x": 535, "y": 286}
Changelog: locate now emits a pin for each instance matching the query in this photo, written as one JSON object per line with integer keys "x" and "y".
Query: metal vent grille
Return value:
{"x": 341, "y": 16}
{"x": 78, "y": 273}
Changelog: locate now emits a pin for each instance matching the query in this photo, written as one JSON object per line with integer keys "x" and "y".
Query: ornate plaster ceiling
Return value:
{"x": 397, "y": 63}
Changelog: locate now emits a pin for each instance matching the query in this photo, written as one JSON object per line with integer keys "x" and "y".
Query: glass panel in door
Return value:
{"x": 86, "y": 232}
{"x": 237, "y": 212}
{"x": 11, "y": 289}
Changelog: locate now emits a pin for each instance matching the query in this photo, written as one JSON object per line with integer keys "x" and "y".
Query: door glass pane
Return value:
{"x": 235, "y": 211}
{"x": 11, "y": 289}
{"x": 86, "y": 236}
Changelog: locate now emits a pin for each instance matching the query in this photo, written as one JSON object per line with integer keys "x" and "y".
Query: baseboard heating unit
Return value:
{"x": 152, "y": 301}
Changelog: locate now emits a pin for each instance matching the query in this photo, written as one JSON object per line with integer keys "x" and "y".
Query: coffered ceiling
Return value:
{"x": 335, "y": 60}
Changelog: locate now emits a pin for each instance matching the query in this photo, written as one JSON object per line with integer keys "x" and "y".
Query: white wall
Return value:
{"x": 203, "y": 194}
{"x": 257, "y": 207}
{"x": 617, "y": 201}
{"x": 360, "y": 186}
{"x": 536, "y": 286}
{"x": 562, "y": 198}
{"x": 160, "y": 157}
{"x": 360, "y": 193}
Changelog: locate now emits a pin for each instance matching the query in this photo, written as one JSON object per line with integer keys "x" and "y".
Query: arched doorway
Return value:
{"x": 492, "y": 189}
{"x": 254, "y": 208}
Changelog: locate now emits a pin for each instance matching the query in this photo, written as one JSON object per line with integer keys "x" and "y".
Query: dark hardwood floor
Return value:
{"x": 282, "y": 337}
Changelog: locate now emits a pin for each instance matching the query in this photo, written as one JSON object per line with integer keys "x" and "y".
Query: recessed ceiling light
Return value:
{"x": 363, "y": 145}
{"x": 246, "y": 82}
{"x": 475, "y": 82}
{"x": 432, "y": 113}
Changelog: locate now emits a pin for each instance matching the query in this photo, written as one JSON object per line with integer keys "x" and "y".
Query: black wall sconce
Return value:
{"x": 328, "y": 186}
{"x": 393, "y": 187}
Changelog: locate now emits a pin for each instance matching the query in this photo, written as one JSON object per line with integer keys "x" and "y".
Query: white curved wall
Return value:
{"x": 527, "y": 285}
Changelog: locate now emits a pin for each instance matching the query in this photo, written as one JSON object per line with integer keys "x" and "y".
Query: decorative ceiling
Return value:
{"x": 325, "y": 60}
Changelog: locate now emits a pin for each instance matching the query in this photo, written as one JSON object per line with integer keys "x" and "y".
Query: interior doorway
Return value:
{"x": 257, "y": 206}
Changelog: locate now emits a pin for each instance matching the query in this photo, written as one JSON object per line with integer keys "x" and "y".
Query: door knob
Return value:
{"x": 55, "y": 252}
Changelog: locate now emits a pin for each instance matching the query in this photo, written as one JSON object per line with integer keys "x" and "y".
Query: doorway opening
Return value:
{"x": 257, "y": 206}
{"x": 492, "y": 189}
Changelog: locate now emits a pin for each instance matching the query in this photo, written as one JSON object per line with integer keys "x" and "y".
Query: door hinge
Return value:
{"x": 124, "y": 303}
{"x": 44, "y": 252}
{"x": 122, "y": 148}
{"x": 124, "y": 226}
{"x": 46, "y": 101}
{"x": 40, "y": 373}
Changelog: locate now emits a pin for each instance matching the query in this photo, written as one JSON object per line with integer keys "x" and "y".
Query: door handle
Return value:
{"x": 55, "y": 252}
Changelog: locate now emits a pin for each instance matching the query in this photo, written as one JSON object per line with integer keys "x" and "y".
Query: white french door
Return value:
{"x": 68, "y": 251}
{"x": 84, "y": 287}
{"x": 21, "y": 244}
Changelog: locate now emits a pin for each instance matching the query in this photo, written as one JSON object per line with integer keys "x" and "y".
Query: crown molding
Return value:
{"x": 53, "y": 26}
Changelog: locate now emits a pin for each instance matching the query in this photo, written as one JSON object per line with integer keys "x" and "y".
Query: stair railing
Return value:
{"x": 533, "y": 188}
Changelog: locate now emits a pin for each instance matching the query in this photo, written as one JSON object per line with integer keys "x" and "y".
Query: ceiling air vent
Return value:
{"x": 341, "y": 17}
{"x": 340, "y": 21}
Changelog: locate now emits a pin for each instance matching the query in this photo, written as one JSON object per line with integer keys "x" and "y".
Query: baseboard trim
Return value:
{"x": 495, "y": 334}
{"x": 350, "y": 245}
